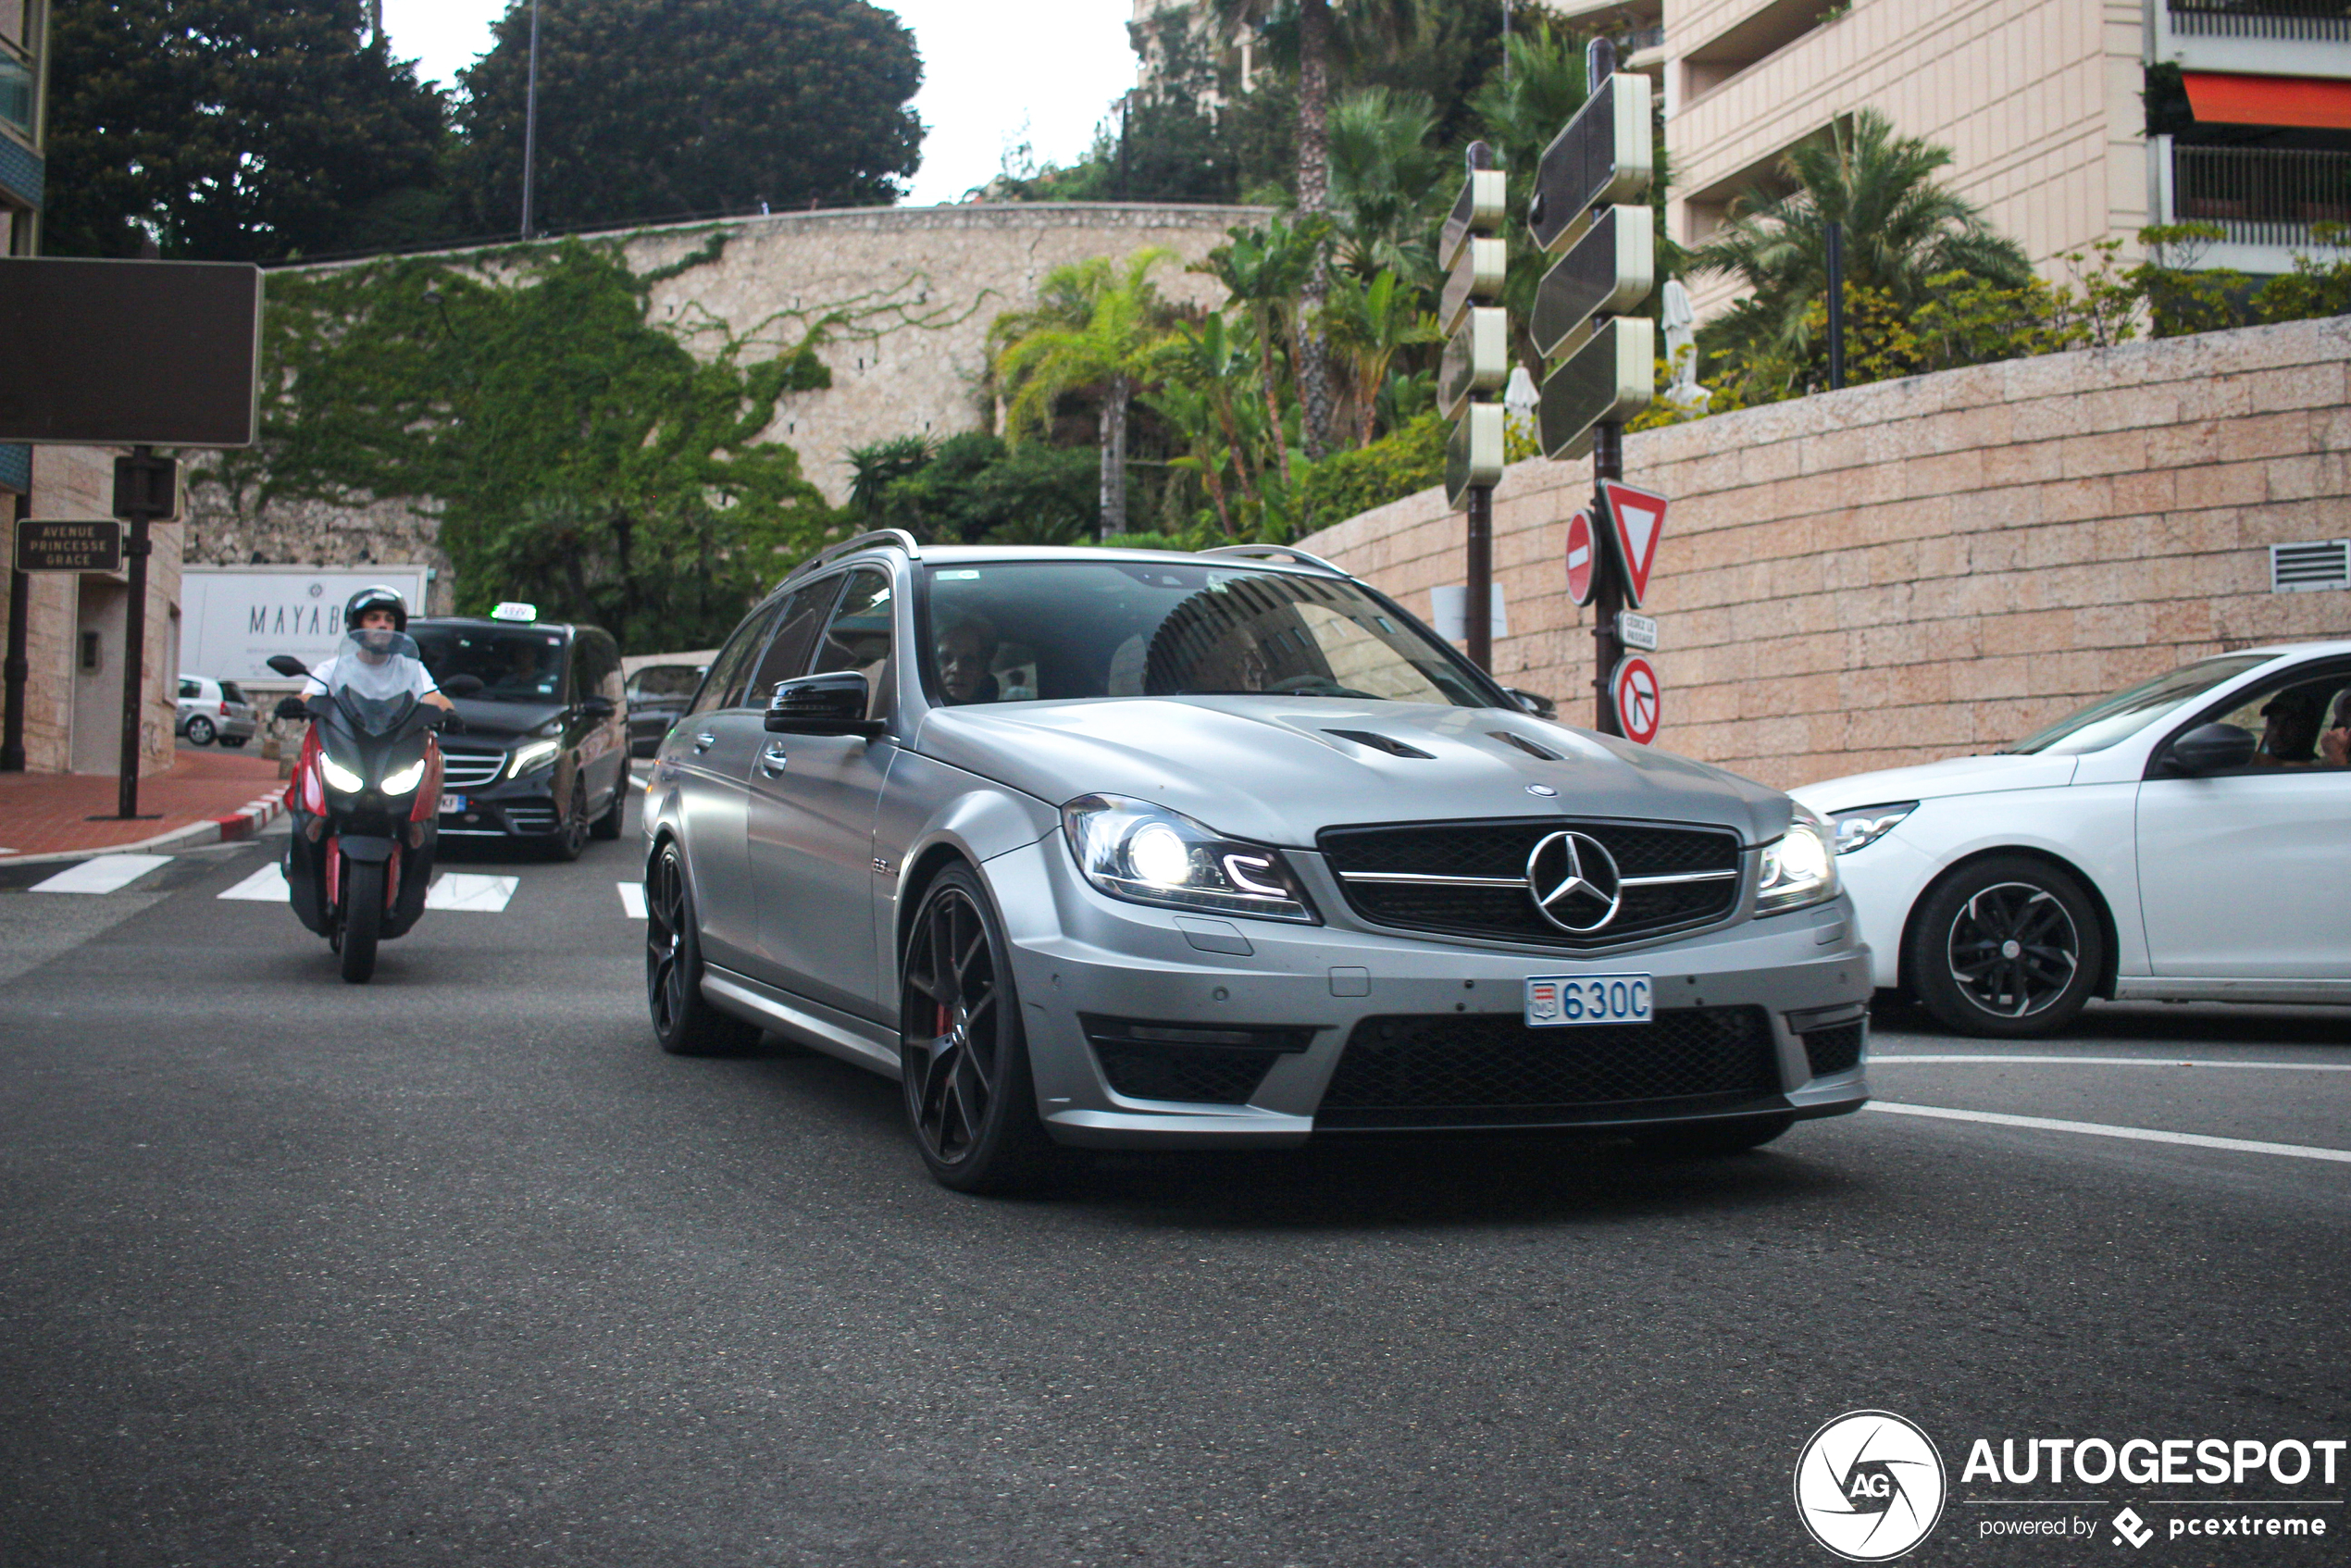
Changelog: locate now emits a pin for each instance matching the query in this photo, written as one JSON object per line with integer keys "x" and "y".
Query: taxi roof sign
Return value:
{"x": 513, "y": 611}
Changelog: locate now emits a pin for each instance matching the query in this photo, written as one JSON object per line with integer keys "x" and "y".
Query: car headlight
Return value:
{"x": 1147, "y": 854}
{"x": 1799, "y": 870}
{"x": 341, "y": 779}
{"x": 1864, "y": 825}
{"x": 537, "y": 755}
{"x": 406, "y": 780}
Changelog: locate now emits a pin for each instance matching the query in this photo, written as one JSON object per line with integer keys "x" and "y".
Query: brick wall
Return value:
{"x": 1931, "y": 567}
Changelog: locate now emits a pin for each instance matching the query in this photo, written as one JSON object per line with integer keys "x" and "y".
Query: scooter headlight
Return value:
{"x": 406, "y": 780}
{"x": 341, "y": 779}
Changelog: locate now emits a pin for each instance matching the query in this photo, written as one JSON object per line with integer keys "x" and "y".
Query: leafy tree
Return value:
{"x": 1267, "y": 272}
{"x": 232, "y": 130}
{"x": 1386, "y": 184}
{"x": 689, "y": 106}
{"x": 875, "y": 467}
{"x": 1096, "y": 327}
{"x": 1901, "y": 229}
{"x": 976, "y": 487}
{"x": 1369, "y": 324}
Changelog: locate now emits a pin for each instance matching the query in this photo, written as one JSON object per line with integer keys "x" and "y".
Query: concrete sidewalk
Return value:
{"x": 206, "y": 797}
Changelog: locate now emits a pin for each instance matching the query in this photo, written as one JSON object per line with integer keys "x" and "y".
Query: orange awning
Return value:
{"x": 2317, "y": 103}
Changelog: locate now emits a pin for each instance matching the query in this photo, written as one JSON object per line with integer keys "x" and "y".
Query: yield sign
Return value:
{"x": 1583, "y": 555}
{"x": 1637, "y": 517}
{"x": 1640, "y": 706}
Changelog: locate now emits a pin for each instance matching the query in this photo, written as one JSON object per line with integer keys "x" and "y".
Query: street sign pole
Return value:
{"x": 1476, "y": 363}
{"x": 1607, "y": 463}
{"x": 145, "y": 489}
{"x": 19, "y": 665}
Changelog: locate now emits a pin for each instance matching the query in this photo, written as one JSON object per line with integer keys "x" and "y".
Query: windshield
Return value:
{"x": 513, "y": 663}
{"x": 665, "y": 681}
{"x": 2127, "y": 711}
{"x": 375, "y": 676}
{"x": 1041, "y": 630}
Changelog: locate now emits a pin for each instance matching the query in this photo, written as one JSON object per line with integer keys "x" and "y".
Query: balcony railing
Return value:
{"x": 2262, "y": 195}
{"x": 2290, "y": 19}
{"x": 1634, "y": 39}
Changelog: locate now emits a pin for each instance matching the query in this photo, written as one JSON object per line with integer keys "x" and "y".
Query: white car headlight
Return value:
{"x": 539, "y": 754}
{"x": 1144, "y": 853}
{"x": 406, "y": 780}
{"x": 1864, "y": 825}
{"x": 1799, "y": 870}
{"x": 341, "y": 779}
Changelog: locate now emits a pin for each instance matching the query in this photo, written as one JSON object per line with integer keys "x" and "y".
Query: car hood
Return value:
{"x": 1268, "y": 768}
{"x": 1953, "y": 776}
{"x": 502, "y": 721}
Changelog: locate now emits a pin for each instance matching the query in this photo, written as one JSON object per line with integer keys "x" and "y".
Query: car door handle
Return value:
{"x": 772, "y": 760}
{"x": 704, "y": 741}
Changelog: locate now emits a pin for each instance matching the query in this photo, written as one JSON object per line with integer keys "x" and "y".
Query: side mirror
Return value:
{"x": 460, "y": 686}
{"x": 822, "y": 705}
{"x": 288, "y": 665}
{"x": 1535, "y": 703}
{"x": 293, "y": 707}
{"x": 2210, "y": 748}
{"x": 598, "y": 707}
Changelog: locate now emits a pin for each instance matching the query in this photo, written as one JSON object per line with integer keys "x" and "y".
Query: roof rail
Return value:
{"x": 897, "y": 538}
{"x": 1273, "y": 553}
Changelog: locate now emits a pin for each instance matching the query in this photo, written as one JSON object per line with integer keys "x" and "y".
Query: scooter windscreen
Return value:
{"x": 375, "y": 678}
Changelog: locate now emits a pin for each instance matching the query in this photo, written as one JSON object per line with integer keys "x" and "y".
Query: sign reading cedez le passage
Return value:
{"x": 232, "y": 618}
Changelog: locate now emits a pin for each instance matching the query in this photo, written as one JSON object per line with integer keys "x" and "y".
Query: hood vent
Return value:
{"x": 1394, "y": 748}
{"x": 1523, "y": 744}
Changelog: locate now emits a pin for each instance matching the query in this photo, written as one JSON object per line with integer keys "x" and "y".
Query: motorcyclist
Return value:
{"x": 380, "y": 610}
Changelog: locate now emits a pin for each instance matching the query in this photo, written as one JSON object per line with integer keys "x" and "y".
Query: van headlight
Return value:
{"x": 1800, "y": 869}
{"x": 406, "y": 780}
{"x": 1144, "y": 853}
{"x": 341, "y": 779}
{"x": 537, "y": 755}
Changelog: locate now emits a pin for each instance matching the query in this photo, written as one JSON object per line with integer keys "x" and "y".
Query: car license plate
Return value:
{"x": 452, "y": 804}
{"x": 1556, "y": 1001}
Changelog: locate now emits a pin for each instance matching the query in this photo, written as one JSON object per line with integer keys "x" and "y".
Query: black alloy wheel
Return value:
{"x": 363, "y": 918}
{"x": 2007, "y": 948}
{"x": 684, "y": 1021}
{"x": 571, "y": 833}
{"x": 971, "y": 1102}
{"x": 200, "y": 732}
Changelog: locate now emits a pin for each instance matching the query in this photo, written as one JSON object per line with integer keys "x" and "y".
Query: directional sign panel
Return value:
{"x": 1480, "y": 209}
{"x": 1477, "y": 275}
{"x": 1636, "y": 518}
{"x": 1583, "y": 559}
{"x": 1477, "y": 359}
{"x": 1603, "y": 154}
{"x": 1607, "y": 271}
{"x": 68, "y": 545}
{"x": 1474, "y": 454}
{"x": 1610, "y": 378}
{"x": 1636, "y": 631}
{"x": 1640, "y": 704}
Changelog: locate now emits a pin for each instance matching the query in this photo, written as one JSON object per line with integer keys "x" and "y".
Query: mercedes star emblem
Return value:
{"x": 1573, "y": 880}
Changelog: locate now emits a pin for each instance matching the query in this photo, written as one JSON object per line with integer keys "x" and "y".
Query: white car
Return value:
{"x": 2186, "y": 839}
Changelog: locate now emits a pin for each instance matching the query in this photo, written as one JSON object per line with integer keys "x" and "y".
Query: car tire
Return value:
{"x": 684, "y": 1021}
{"x": 233, "y": 741}
{"x": 2007, "y": 948}
{"x": 201, "y": 731}
{"x": 1703, "y": 1139}
{"x": 571, "y": 832}
{"x": 971, "y": 1101}
{"x": 363, "y": 920}
{"x": 608, "y": 827}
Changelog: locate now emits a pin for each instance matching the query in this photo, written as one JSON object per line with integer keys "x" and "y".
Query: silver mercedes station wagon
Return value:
{"x": 1116, "y": 849}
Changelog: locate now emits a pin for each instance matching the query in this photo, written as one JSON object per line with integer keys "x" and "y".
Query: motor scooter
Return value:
{"x": 365, "y": 797}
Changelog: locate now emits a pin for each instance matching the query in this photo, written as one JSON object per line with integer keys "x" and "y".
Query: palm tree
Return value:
{"x": 1369, "y": 322}
{"x": 1901, "y": 229}
{"x": 1210, "y": 359}
{"x": 874, "y": 466}
{"x": 1385, "y": 183}
{"x": 1266, "y": 272}
{"x": 1096, "y": 325}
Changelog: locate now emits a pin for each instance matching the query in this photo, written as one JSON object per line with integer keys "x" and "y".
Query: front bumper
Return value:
{"x": 1078, "y": 955}
{"x": 510, "y": 808}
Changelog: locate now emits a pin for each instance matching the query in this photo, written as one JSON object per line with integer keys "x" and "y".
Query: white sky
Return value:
{"x": 995, "y": 73}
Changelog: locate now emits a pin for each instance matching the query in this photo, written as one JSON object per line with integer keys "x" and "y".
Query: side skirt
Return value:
{"x": 2144, "y": 987}
{"x": 853, "y": 1039}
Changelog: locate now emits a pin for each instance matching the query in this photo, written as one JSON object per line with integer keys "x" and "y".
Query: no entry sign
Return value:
{"x": 1638, "y": 518}
{"x": 1582, "y": 557}
{"x": 1640, "y": 704}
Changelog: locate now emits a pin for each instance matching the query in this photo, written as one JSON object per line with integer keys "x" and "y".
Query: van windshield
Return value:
{"x": 513, "y": 663}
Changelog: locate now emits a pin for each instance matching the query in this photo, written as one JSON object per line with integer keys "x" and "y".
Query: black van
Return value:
{"x": 543, "y": 757}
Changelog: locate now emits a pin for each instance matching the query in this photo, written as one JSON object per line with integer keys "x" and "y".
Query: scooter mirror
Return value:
{"x": 288, "y": 665}
{"x": 461, "y": 685}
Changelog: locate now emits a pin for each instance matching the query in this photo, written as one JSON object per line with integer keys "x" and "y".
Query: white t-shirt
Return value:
{"x": 389, "y": 678}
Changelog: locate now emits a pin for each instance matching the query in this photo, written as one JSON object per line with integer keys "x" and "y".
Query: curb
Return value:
{"x": 245, "y": 822}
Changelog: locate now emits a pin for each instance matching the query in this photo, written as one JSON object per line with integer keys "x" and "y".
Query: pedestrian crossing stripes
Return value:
{"x": 102, "y": 874}
{"x": 456, "y": 890}
{"x": 632, "y": 900}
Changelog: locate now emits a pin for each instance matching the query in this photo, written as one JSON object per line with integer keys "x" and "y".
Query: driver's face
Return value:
{"x": 963, "y": 655}
{"x": 378, "y": 620}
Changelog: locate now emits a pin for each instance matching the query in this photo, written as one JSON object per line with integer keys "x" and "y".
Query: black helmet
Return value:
{"x": 376, "y": 597}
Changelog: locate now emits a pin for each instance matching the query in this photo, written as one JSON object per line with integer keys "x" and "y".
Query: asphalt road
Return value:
{"x": 459, "y": 1268}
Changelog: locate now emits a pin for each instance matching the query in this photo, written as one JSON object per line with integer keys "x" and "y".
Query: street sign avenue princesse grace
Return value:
{"x": 77, "y": 544}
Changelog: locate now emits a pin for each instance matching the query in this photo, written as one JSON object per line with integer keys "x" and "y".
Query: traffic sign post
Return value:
{"x": 146, "y": 490}
{"x": 1583, "y": 559}
{"x": 1640, "y": 698}
{"x": 1637, "y": 519}
{"x": 1476, "y": 363}
{"x": 68, "y": 545}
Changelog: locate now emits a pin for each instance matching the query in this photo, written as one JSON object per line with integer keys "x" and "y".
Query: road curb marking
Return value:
{"x": 2102, "y": 1129}
{"x": 2134, "y": 1061}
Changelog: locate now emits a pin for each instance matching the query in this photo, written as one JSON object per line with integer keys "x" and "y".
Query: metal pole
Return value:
{"x": 135, "y": 639}
{"x": 1477, "y": 599}
{"x": 1608, "y": 590}
{"x": 530, "y": 122}
{"x": 1837, "y": 304}
{"x": 18, "y": 666}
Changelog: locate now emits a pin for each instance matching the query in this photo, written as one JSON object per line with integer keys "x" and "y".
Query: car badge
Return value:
{"x": 1573, "y": 880}
{"x": 1543, "y": 789}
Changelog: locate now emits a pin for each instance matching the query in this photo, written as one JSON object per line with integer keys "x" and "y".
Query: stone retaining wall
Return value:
{"x": 1936, "y": 566}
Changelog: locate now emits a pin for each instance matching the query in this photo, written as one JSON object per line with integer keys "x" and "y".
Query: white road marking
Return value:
{"x": 457, "y": 890}
{"x": 106, "y": 874}
{"x": 632, "y": 900}
{"x": 2102, "y": 1129}
{"x": 2137, "y": 1061}
{"x": 265, "y": 886}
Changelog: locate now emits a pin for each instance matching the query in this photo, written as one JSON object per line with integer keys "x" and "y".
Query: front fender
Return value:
{"x": 932, "y": 812}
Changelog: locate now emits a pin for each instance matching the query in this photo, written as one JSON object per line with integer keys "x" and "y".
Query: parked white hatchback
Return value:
{"x": 2185, "y": 839}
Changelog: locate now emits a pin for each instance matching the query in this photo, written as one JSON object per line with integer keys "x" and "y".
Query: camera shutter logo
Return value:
{"x": 1870, "y": 1486}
